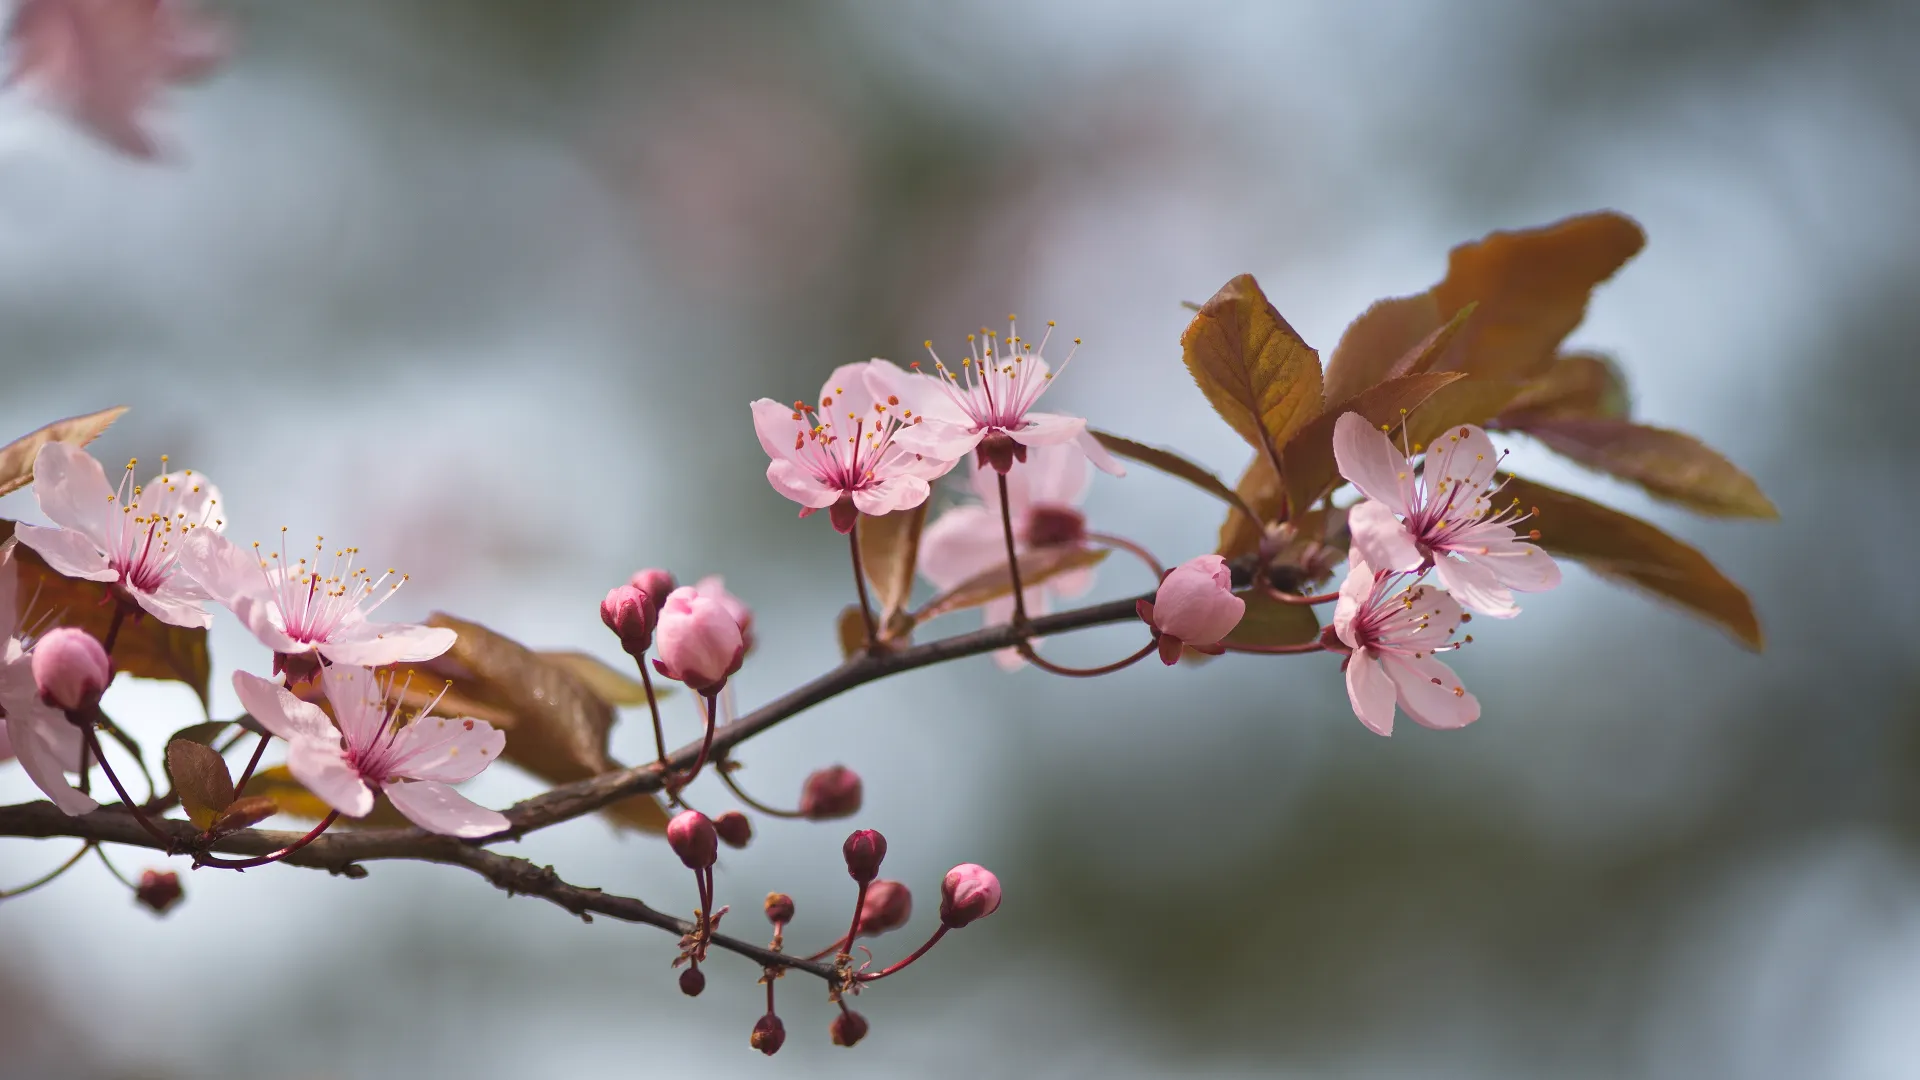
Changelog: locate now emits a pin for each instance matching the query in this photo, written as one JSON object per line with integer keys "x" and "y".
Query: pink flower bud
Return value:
{"x": 714, "y": 587}
{"x": 159, "y": 890}
{"x": 864, "y": 851}
{"x": 832, "y": 792}
{"x": 700, "y": 644}
{"x": 656, "y": 584}
{"x": 847, "y": 1028}
{"x": 692, "y": 837}
{"x": 968, "y": 892}
{"x": 734, "y": 828}
{"x": 629, "y": 614}
{"x": 1195, "y": 606}
{"x": 888, "y": 907}
{"x": 70, "y": 669}
{"x": 692, "y": 981}
{"x": 769, "y": 1034}
{"x": 779, "y": 908}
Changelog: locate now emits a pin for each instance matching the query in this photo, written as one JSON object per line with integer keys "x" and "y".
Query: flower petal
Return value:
{"x": 280, "y": 712}
{"x": 448, "y": 749}
{"x": 219, "y": 566}
{"x": 380, "y": 644}
{"x": 1055, "y": 475}
{"x": 1463, "y": 456}
{"x": 801, "y": 486}
{"x": 961, "y": 543}
{"x": 34, "y": 729}
{"x": 438, "y": 808}
{"x": 1049, "y": 429}
{"x": 1382, "y": 539}
{"x": 1522, "y": 566}
{"x": 72, "y": 490}
{"x": 324, "y": 770}
{"x": 359, "y": 703}
{"x": 1370, "y": 692}
{"x": 185, "y": 500}
{"x": 1431, "y": 693}
{"x": 893, "y": 493}
{"x": 776, "y": 428}
{"x": 1368, "y": 460}
{"x": 68, "y": 552}
{"x": 1473, "y": 584}
{"x": 1355, "y": 592}
{"x": 939, "y": 440}
{"x": 172, "y": 605}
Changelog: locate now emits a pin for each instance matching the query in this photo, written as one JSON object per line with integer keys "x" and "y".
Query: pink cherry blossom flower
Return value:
{"x": 1392, "y": 634}
{"x": 102, "y": 62}
{"x": 296, "y": 608}
{"x": 47, "y": 745}
{"x": 843, "y": 451}
{"x": 992, "y": 395}
{"x": 1194, "y": 608}
{"x": 970, "y": 539}
{"x": 376, "y": 751}
{"x": 130, "y": 537}
{"x": 1444, "y": 516}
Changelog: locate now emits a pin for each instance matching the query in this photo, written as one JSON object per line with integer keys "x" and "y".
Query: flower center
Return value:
{"x": 316, "y": 599}
{"x": 993, "y": 389}
{"x": 848, "y": 452}
{"x": 143, "y": 540}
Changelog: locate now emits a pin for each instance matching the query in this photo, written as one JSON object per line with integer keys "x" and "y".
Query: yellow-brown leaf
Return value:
{"x": 1581, "y": 385}
{"x": 890, "y": 550}
{"x": 16, "y": 458}
{"x": 1254, "y": 369}
{"x": 1668, "y": 464}
{"x": 201, "y": 780}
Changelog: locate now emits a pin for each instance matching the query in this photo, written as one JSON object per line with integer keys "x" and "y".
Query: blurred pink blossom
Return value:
{"x": 47, "y": 745}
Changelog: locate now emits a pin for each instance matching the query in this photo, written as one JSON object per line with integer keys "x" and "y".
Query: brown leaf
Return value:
{"x": 1532, "y": 286}
{"x": 1260, "y": 490}
{"x": 1669, "y": 464}
{"x": 243, "y": 814}
{"x": 1376, "y": 343}
{"x": 851, "y": 628}
{"x": 1308, "y": 457}
{"x": 1630, "y": 550}
{"x": 1469, "y": 401}
{"x": 1035, "y": 567}
{"x": 608, "y": 683}
{"x": 556, "y": 724}
{"x": 1270, "y": 622}
{"x": 1254, "y": 369}
{"x": 16, "y": 458}
{"x": 889, "y": 551}
{"x": 146, "y": 648}
{"x": 201, "y": 780}
{"x": 1581, "y": 385}
{"x": 1173, "y": 465}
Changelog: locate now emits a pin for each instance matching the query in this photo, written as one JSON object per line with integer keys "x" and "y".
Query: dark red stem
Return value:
{"x": 201, "y": 859}
{"x": 911, "y": 957}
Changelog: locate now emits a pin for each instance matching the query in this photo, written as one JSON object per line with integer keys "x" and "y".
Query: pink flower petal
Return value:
{"x": 1049, "y": 429}
{"x": 961, "y": 543}
{"x": 1472, "y": 583}
{"x": 68, "y": 552}
{"x": 1052, "y": 475}
{"x": 1431, "y": 693}
{"x": 280, "y": 712}
{"x": 324, "y": 769}
{"x": 938, "y": 440}
{"x": 893, "y": 493}
{"x": 774, "y": 425}
{"x": 173, "y": 607}
{"x": 1467, "y": 459}
{"x": 72, "y": 490}
{"x": 1097, "y": 454}
{"x": 438, "y": 808}
{"x": 6, "y": 741}
{"x": 1370, "y": 692}
{"x": 359, "y": 702}
{"x": 1382, "y": 539}
{"x": 33, "y": 729}
{"x": 1355, "y": 591}
{"x": 184, "y": 498}
{"x": 448, "y": 749}
{"x": 380, "y": 644}
{"x": 1522, "y": 566}
{"x": 800, "y": 485}
{"x": 1368, "y": 460}
{"x": 221, "y": 568}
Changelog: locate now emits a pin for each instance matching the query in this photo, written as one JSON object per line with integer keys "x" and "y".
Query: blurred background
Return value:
{"x": 485, "y": 289}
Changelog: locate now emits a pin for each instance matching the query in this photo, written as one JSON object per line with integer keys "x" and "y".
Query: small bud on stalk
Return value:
{"x": 657, "y": 584}
{"x": 629, "y": 613}
{"x": 159, "y": 890}
{"x": 70, "y": 669}
{"x": 700, "y": 643}
{"x": 1194, "y": 607}
{"x": 769, "y": 1034}
{"x": 864, "y": 851}
{"x": 733, "y": 828}
{"x": 847, "y": 1028}
{"x": 692, "y": 981}
{"x": 779, "y": 908}
{"x": 888, "y": 906}
{"x": 967, "y": 893}
{"x": 692, "y": 836}
{"x": 832, "y": 792}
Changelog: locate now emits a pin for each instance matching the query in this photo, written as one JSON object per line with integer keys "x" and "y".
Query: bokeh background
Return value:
{"x": 484, "y": 288}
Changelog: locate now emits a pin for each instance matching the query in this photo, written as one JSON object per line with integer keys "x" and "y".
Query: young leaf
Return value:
{"x": 16, "y": 458}
{"x": 889, "y": 550}
{"x": 1376, "y": 342}
{"x": 1271, "y": 622}
{"x": 609, "y": 684}
{"x": 146, "y": 648}
{"x": 243, "y": 813}
{"x": 556, "y": 724}
{"x": 1469, "y": 401}
{"x": 1630, "y": 550}
{"x": 201, "y": 780}
{"x": 1532, "y": 286}
{"x": 1254, "y": 369}
{"x": 1579, "y": 385}
{"x": 1173, "y": 465}
{"x": 203, "y": 733}
{"x": 1035, "y": 567}
{"x": 1669, "y": 464}
{"x": 1311, "y": 469}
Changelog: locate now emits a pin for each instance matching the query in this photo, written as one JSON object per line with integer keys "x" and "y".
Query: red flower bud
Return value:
{"x": 159, "y": 890}
{"x": 769, "y": 1034}
{"x": 692, "y": 981}
{"x": 864, "y": 851}
{"x": 692, "y": 836}
{"x": 832, "y": 792}
{"x": 968, "y": 892}
{"x": 629, "y": 614}
{"x": 70, "y": 669}
{"x": 734, "y": 828}
{"x": 779, "y": 908}
{"x": 847, "y": 1028}
{"x": 888, "y": 907}
{"x": 700, "y": 644}
{"x": 656, "y": 584}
